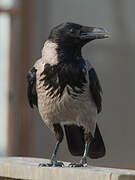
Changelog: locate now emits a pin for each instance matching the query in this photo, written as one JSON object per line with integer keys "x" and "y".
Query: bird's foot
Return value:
{"x": 82, "y": 163}
{"x": 78, "y": 164}
{"x": 52, "y": 164}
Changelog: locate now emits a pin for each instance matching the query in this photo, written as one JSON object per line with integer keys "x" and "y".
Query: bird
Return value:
{"x": 66, "y": 90}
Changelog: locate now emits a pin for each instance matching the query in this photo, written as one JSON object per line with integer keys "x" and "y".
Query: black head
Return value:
{"x": 75, "y": 34}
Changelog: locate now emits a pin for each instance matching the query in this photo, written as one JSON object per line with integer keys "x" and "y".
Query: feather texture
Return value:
{"x": 95, "y": 89}
{"x": 31, "y": 88}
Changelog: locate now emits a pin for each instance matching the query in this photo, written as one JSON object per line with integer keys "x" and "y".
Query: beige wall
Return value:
{"x": 114, "y": 60}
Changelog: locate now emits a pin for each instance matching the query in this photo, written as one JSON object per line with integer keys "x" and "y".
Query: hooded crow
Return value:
{"x": 66, "y": 90}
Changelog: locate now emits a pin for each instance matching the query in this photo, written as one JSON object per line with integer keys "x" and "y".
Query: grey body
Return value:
{"x": 65, "y": 88}
{"x": 81, "y": 111}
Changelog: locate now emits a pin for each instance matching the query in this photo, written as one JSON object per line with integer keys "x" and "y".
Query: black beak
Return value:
{"x": 91, "y": 33}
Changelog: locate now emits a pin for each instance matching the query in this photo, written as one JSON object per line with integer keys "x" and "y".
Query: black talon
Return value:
{"x": 78, "y": 165}
{"x": 52, "y": 164}
{"x": 45, "y": 165}
{"x": 58, "y": 164}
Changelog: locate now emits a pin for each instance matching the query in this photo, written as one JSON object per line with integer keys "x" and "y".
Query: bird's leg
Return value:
{"x": 59, "y": 136}
{"x": 54, "y": 162}
{"x": 83, "y": 161}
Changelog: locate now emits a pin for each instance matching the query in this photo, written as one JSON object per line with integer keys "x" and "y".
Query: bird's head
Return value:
{"x": 75, "y": 34}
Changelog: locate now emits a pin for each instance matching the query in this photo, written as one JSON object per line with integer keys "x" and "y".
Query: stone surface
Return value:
{"x": 27, "y": 168}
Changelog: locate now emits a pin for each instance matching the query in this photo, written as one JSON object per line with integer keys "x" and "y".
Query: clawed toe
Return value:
{"x": 54, "y": 164}
{"x": 77, "y": 165}
{"x": 45, "y": 165}
{"x": 58, "y": 164}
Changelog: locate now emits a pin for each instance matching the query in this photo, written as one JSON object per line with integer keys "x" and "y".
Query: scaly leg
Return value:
{"x": 59, "y": 136}
{"x": 83, "y": 161}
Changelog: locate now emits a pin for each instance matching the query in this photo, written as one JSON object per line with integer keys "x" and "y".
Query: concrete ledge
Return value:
{"x": 27, "y": 168}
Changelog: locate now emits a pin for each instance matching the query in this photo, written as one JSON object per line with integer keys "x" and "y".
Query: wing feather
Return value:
{"x": 31, "y": 88}
{"x": 95, "y": 89}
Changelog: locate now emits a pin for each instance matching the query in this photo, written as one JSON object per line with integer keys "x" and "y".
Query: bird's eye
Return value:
{"x": 72, "y": 31}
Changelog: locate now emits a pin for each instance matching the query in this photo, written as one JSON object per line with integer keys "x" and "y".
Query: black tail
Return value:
{"x": 76, "y": 144}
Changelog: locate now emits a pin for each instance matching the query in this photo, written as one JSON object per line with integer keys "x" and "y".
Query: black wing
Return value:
{"x": 31, "y": 89}
{"x": 95, "y": 89}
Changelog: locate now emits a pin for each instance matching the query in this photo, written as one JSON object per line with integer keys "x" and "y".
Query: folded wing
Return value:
{"x": 31, "y": 88}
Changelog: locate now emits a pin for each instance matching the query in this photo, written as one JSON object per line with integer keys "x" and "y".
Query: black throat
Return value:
{"x": 68, "y": 52}
{"x": 70, "y": 70}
